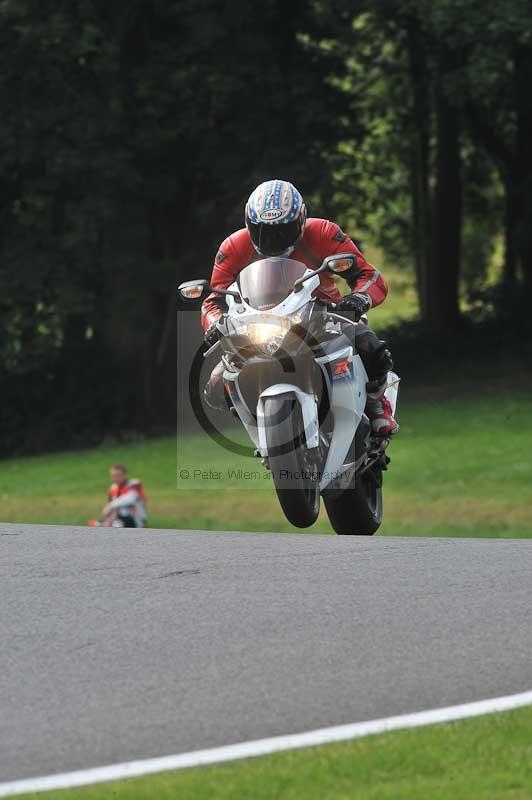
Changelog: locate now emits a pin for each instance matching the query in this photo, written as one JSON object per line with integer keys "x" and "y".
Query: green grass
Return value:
{"x": 461, "y": 466}
{"x": 488, "y": 758}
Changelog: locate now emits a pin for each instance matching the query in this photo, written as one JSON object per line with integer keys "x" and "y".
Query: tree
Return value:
{"x": 130, "y": 139}
{"x": 491, "y": 87}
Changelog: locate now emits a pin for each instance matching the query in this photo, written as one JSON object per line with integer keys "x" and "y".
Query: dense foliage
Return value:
{"x": 132, "y": 133}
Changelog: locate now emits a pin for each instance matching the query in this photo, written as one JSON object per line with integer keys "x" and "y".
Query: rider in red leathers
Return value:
{"x": 277, "y": 225}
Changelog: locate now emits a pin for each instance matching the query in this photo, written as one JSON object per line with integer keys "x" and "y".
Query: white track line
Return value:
{"x": 260, "y": 747}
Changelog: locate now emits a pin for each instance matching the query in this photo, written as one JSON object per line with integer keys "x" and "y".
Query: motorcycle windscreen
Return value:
{"x": 268, "y": 282}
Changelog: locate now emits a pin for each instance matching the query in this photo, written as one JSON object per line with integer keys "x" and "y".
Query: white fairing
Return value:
{"x": 246, "y": 417}
{"x": 348, "y": 399}
{"x": 290, "y": 305}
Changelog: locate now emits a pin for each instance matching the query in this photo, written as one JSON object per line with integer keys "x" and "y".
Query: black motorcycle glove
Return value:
{"x": 353, "y": 306}
{"x": 211, "y": 335}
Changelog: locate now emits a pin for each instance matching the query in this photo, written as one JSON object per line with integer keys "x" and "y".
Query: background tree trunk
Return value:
{"x": 443, "y": 309}
{"x": 420, "y": 170}
{"x": 511, "y": 217}
{"x": 523, "y": 179}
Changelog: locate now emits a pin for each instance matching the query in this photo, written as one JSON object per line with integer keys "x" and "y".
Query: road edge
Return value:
{"x": 260, "y": 747}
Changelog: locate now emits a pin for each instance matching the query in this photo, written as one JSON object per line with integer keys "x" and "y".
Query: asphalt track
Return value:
{"x": 131, "y": 644}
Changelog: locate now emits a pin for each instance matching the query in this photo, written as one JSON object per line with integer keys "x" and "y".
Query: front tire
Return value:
{"x": 294, "y": 475}
{"x": 357, "y": 511}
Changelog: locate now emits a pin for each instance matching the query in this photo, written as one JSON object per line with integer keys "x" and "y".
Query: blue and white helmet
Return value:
{"x": 275, "y": 217}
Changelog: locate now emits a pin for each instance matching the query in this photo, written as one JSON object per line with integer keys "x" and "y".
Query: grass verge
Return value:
{"x": 461, "y": 466}
{"x": 487, "y": 758}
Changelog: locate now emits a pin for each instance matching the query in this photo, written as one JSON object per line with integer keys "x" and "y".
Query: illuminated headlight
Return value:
{"x": 265, "y": 331}
{"x": 268, "y": 336}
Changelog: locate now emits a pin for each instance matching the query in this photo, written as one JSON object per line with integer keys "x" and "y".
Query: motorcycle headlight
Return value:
{"x": 265, "y": 331}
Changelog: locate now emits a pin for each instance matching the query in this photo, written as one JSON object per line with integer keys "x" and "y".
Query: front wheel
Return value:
{"x": 294, "y": 474}
{"x": 357, "y": 511}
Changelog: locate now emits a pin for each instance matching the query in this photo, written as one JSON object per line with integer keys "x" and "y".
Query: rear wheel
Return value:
{"x": 358, "y": 511}
{"x": 295, "y": 476}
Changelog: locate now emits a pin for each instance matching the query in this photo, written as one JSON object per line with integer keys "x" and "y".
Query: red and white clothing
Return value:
{"x": 129, "y": 499}
{"x": 321, "y": 238}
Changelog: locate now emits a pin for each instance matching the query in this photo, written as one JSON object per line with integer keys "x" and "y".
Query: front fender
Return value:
{"x": 309, "y": 410}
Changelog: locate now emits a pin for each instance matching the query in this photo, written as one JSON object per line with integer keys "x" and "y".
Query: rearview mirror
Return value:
{"x": 340, "y": 263}
{"x": 193, "y": 290}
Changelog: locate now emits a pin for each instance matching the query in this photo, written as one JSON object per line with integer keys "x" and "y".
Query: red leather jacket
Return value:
{"x": 320, "y": 239}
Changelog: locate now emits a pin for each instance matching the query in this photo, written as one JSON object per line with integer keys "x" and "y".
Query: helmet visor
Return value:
{"x": 272, "y": 240}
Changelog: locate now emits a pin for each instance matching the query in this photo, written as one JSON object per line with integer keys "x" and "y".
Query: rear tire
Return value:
{"x": 357, "y": 511}
{"x": 294, "y": 475}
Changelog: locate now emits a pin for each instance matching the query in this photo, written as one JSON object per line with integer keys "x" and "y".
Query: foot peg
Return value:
{"x": 264, "y": 461}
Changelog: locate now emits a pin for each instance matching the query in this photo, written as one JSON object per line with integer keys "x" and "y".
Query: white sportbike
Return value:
{"x": 293, "y": 377}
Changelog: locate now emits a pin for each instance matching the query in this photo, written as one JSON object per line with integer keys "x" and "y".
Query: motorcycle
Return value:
{"x": 293, "y": 377}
